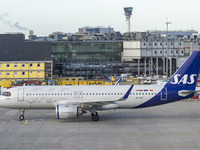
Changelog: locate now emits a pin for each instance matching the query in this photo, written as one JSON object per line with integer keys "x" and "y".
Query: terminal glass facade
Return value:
{"x": 86, "y": 51}
{"x": 86, "y": 59}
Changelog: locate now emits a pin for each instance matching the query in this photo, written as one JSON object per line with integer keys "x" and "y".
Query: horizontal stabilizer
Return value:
{"x": 185, "y": 93}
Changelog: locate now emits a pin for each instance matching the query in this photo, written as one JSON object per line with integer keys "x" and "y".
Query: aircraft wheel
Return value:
{"x": 95, "y": 117}
{"x": 21, "y": 117}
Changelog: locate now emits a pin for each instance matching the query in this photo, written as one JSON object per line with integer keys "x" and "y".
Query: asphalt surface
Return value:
{"x": 173, "y": 126}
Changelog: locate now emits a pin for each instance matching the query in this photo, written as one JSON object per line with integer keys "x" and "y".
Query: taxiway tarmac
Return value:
{"x": 173, "y": 126}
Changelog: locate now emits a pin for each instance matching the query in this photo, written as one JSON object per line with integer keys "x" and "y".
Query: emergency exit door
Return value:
{"x": 20, "y": 94}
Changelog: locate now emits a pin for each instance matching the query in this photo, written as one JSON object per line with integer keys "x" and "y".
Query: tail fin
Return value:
{"x": 186, "y": 76}
{"x": 118, "y": 81}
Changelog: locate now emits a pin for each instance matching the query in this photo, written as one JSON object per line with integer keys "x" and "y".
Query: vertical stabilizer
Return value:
{"x": 186, "y": 76}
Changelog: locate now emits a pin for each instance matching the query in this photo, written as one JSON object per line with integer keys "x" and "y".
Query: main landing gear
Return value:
{"x": 95, "y": 116}
{"x": 21, "y": 117}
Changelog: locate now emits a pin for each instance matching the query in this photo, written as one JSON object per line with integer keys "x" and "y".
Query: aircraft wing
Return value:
{"x": 93, "y": 102}
{"x": 85, "y": 103}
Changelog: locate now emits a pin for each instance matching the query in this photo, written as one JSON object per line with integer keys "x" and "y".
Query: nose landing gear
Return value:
{"x": 21, "y": 117}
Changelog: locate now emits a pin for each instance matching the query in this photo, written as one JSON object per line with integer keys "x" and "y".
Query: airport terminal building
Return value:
{"x": 100, "y": 58}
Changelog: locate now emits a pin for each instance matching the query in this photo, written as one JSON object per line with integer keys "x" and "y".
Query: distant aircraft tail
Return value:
{"x": 185, "y": 78}
{"x": 117, "y": 83}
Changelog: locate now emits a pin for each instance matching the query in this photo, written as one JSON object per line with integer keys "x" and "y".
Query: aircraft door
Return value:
{"x": 164, "y": 94}
{"x": 20, "y": 94}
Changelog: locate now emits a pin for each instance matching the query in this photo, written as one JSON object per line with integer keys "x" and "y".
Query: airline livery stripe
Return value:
{"x": 144, "y": 90}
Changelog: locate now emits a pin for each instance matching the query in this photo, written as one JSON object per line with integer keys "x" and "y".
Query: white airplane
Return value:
{"x": 73, "y": 101}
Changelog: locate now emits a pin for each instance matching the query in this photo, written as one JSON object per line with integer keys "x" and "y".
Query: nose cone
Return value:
{"x": 5, "y": 101}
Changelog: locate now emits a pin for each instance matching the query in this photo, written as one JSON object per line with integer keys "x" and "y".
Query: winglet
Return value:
{"x": 127, "y": 94}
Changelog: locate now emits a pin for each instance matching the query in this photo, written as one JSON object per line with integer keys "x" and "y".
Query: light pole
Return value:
{"x": 167, "y": 23}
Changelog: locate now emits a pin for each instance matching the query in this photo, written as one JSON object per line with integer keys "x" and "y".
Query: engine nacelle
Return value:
{"x": 68, "y": 111}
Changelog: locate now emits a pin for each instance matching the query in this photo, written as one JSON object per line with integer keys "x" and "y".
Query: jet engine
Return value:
{"x": 68, "y": 111}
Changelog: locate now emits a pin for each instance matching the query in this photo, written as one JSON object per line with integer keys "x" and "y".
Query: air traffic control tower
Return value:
{"x": 128, "y": 13}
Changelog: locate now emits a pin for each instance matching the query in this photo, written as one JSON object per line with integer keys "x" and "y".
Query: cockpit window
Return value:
{"x": 6, "y": 94}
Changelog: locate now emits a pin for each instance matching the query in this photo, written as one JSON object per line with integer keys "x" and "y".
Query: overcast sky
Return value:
{"x": 47, "y": 16}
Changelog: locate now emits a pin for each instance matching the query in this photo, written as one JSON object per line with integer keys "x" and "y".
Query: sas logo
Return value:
{"x": 184, "y": 79}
